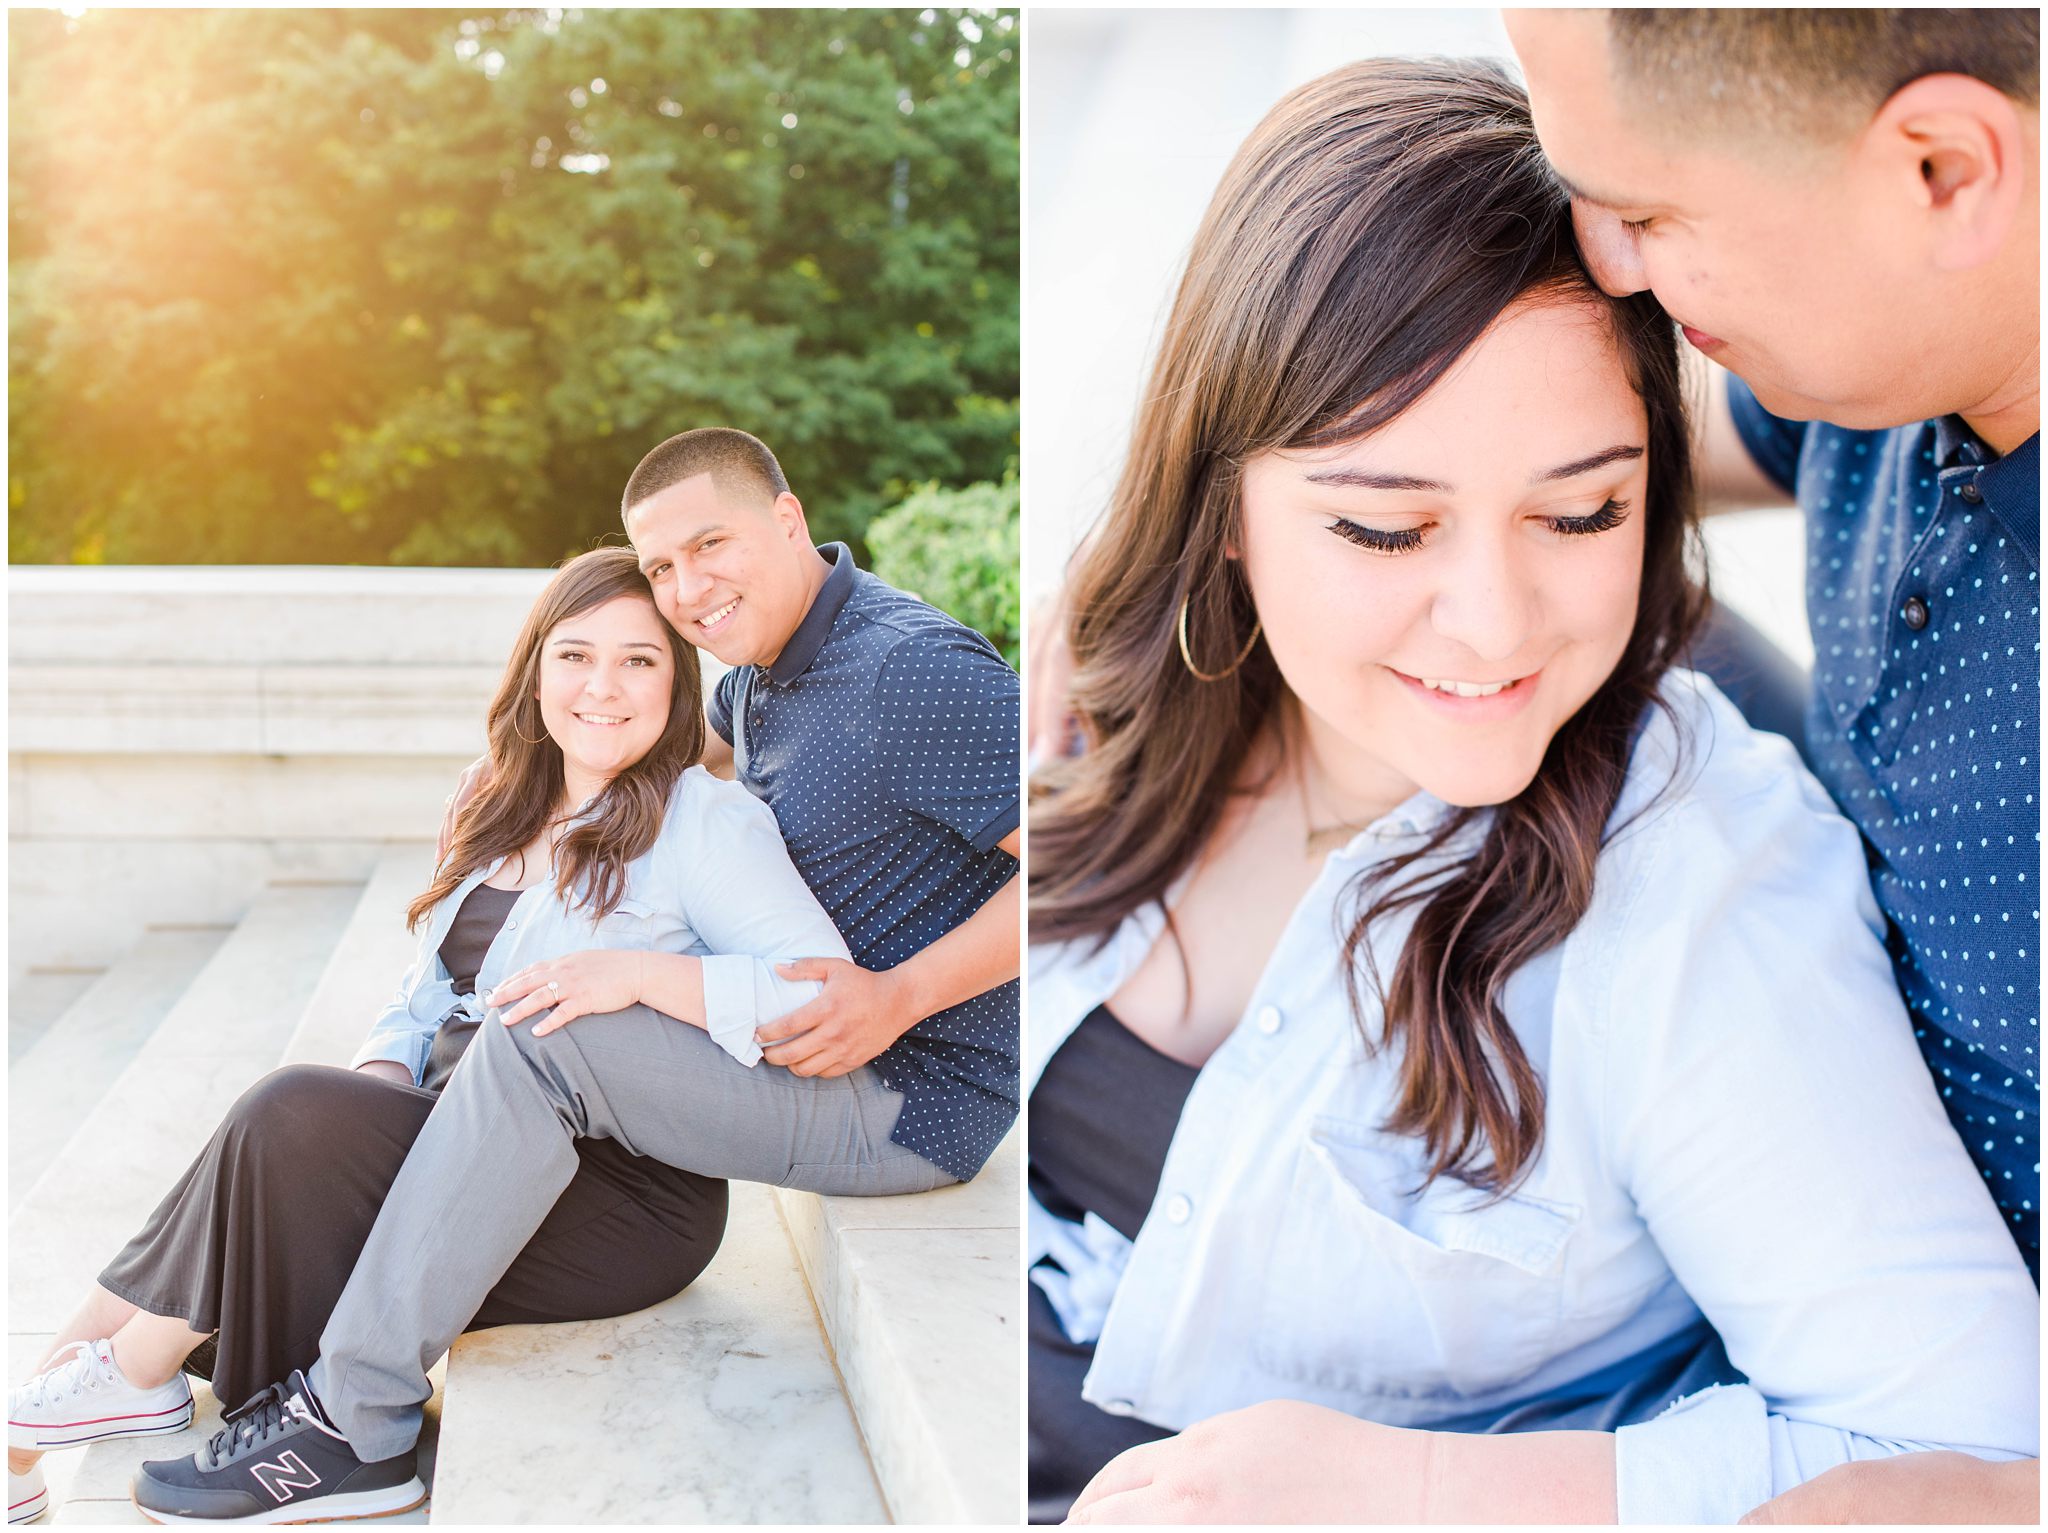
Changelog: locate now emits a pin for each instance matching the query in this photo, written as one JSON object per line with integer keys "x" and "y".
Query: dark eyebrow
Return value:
{"x": 1367, "y": 479}
{"x": 695, "y": 538}
{"x": 629, "y": 644}
{"x": 1586, "y": 465}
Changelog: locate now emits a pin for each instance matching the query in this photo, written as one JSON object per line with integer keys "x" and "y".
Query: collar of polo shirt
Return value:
{"x": 2011, "y": 485}
{"x": 809, "y": 638}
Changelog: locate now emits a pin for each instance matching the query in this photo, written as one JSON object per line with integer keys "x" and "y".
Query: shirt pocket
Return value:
{"x": 1377, "y": 1290}
{"x": 633, "y": 924}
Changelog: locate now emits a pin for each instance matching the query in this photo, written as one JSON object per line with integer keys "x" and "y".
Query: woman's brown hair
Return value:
{"x": 1370, "y": 229}
{"x": 524, "y": 792}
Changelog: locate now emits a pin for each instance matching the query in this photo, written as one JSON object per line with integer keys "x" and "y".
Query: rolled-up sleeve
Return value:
{"x": 745, "y": 900}
{"x": 1768, "y": 1110}
{"x": 397, "y": 1034}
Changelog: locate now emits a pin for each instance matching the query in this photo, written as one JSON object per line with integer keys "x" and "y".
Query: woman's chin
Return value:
{"x": 1467, "y": 786}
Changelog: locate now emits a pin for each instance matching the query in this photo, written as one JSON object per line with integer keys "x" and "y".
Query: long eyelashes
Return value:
{"x": 1376, "y": 540}
{"x": 1606, "y": 519}
{"x": 1379, "y": 541}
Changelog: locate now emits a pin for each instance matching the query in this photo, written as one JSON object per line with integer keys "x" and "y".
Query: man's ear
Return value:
{"x": 789, "y": 511}
{"x": 1957, "y": 148}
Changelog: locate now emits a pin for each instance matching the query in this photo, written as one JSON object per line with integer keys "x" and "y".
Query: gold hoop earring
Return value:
{"x": 517, "y": 731}
{"x": 1187, "y": 659}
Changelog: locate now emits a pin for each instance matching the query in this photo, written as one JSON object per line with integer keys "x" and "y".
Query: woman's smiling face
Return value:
{"x": 605, "y": 677}
{"x": 1444, "y": 593}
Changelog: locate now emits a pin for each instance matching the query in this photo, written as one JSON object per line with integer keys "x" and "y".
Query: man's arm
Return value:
{"x": 717, "y": 758}
{"x": 863, "y": 1011}
{"x": 467, "y": 786}
{"x": 1726, "y": 475}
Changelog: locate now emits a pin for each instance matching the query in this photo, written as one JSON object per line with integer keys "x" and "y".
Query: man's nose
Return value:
{"x": 1611, "y": 250}
{"x": 693, "y": 584}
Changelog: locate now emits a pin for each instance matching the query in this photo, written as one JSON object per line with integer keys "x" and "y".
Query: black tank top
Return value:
{"x": 1102, "y": 1118}
{"x": 470, "y": 935}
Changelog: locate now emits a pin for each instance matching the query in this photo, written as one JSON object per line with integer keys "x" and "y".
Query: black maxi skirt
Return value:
{"x": 258, "y": 1238}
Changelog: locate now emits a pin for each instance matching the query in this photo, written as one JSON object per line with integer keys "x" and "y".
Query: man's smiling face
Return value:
{"x": 726, "y": 565}
{"x": 1785, "y": 263}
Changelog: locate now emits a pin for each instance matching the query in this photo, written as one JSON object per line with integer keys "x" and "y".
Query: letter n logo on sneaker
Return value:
{"x": 288, "y": 1473}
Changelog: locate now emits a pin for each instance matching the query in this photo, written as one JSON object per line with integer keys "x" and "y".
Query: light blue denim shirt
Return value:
{"x": 1737, "y": 1123}
{"x": 717, "y": 884}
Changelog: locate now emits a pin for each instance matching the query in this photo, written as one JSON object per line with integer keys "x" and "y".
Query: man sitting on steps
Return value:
{"x": 883, "y": 735}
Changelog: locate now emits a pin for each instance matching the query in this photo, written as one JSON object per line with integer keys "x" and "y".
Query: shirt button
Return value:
{"x": 1120, "y": 1407}
{"x": 1969, "y": 491}
{"x": 1915, "y": 613}
{"x": 1178, "y": 1209}
{"x": 511, "y": 926}
{"x": 1268, "y": 1020}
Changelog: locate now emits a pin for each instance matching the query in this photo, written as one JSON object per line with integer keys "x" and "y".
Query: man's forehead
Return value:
{"x": 687, "y": 509}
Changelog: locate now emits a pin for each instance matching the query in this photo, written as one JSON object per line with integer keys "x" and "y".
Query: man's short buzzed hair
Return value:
{"x": 737, "y": 463}
{"x": 1814, "y": 74}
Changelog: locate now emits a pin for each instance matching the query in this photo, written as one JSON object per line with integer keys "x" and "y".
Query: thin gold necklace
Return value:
{"x": 1320, "y": 839}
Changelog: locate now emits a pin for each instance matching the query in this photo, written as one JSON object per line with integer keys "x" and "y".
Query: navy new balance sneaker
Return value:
{"x": 278, "y": 1459}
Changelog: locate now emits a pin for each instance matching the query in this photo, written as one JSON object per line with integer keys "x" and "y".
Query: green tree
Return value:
{"x": 421, "y": 287}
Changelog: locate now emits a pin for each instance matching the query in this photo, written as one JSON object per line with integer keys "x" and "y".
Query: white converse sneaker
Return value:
{"x": 27, "y": 1496}
{"x": 85, "y": 1397}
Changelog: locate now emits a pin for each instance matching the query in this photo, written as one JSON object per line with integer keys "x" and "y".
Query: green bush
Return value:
{"x": 958, "y": 550}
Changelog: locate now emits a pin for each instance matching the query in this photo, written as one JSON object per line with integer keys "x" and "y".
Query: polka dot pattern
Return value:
{"x": 885, "y": 739}
{"x": 1924, "y": 598}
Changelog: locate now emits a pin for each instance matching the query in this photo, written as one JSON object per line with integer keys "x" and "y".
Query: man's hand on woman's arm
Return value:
{"x": 1936, "y": 1487}
{"x": 863, "y": 1011}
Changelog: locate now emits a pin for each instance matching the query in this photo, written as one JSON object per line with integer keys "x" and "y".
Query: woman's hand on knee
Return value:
{"x": 1282, "y": 1461}
{"x": 585, "y": 984}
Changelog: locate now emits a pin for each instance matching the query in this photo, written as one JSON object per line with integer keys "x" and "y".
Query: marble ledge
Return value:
{"x": 926, "y": 1324}
{"x": 720, "y": 1405}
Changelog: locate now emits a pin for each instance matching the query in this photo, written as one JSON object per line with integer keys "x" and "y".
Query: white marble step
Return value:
{"x": 368, "y": 962}
{"x": 922, "y": 1301}
{"x": 37, "y": 1000}
{"x": 228, "y": 1028}
{"x": 358, "y": 966}
{"x": 720, "y": 1405}
{"x": 53, "y": 1085}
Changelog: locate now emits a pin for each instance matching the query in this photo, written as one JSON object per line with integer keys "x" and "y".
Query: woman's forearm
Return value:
{"x": 1286, "y": 1461}
{"x": 673, "y": 984}
{"x": 1520, "y": 1477}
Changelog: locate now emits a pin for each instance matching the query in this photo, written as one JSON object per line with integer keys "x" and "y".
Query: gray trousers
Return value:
{"x": 498, "y": 1149}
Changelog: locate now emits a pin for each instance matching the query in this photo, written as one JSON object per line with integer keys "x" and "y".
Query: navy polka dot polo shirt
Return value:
{"x": 885, "y": 738}
{"x": 1923, "y": 591}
